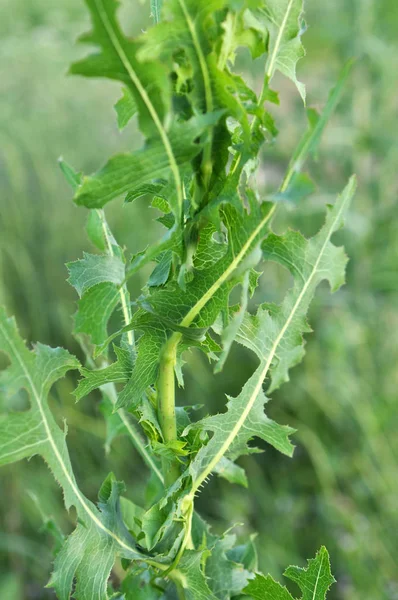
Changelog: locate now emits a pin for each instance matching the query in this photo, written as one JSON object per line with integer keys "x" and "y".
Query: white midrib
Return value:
{"x": 56, "y": 452}
{"x": 143, "y": 93}
{"x": 262, "y": 374}
{"x": 278, "y": 41}
{"x": 195, "y": 310}
{"x": 317, "y": 580}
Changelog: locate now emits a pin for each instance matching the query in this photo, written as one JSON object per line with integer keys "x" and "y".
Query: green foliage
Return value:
{"x": 314, "y": 582}
{"x": 204, "y": 129}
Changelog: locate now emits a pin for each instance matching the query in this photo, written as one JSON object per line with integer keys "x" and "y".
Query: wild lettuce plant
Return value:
{"x": 203, "y": 128}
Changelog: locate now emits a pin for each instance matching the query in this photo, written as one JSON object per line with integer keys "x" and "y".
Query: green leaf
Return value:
{"x": 275, "y": 335}
{"x": 283, "y": 20}
{"x": 140, "y": 168}
{"x": 89, "y": 553}
{"x": 95, "y": 309}
{"x": 225, "y": 577}
{"x": 94, "y": 269}
{"x": 266, "y": 588}
{"x": 147, "y": 82}
{"x": 117, "y": 372}
{"x": 196, "y": 308}
{"x": 95, "y": 230}
{"x": 314, "y": 581}
{"x": 231, "y": 472}
{"x": 125, "y": 108}
{"x": 190, "y": 577}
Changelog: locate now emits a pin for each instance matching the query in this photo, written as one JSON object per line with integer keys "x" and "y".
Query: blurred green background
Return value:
{"x": 341, "y": 487}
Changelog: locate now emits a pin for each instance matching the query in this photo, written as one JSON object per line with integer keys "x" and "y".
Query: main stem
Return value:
{"x": 166, "y": 403}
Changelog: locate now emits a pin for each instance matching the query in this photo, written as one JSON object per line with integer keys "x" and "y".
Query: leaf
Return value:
{"x": 125, "y": 108}
{"x": 266, "y": 588}
{"x": 95, "y": 230}
{"x": 190, "y": 577}
{"x": 94, "y": 269}
{"x": 231, "y": 472}
{"x": 90, "y": 551}
{"x": 88, "y": 554}
{"x": 174, "y": 309}
{"x": 282, "y": 19}
{"x": 230, "y": 332}
{"x": 275, "y": 335}
{"x": 147, "y": 82}
{"x": 95, "y": 309}
{"x": 117, "y": 372}
{"x": 225, "y": 577}
{"x": 314, "y": 582}
{"x": 142, "y": 167}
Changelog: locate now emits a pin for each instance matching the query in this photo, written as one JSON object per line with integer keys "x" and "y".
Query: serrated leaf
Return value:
{"x": 140, "y": 168}
{"x": 226, "y": 578}
{"x": 95, "y": 309}
{"x": 190, "y": 576}
{"x": 148, "y": 82}
{"x": 94, "y": 269}
{"x": 90, "y": 551}
{"x": 174, "y": 309}
{"x": 118, "y": 372}
{"x": 276, "y": 337}
{"x": 308, "y": 144}
{"x": 230, "y": 471}
{"x": 266, "y": 588}
{"x": 314, "y": 581}
{"x": 282, "y": 19}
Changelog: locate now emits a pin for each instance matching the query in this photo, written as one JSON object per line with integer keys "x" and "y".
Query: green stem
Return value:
{"x": 166, "y": 402}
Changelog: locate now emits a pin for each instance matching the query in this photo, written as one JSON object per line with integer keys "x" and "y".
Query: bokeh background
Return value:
{"x": 341, "y": 487}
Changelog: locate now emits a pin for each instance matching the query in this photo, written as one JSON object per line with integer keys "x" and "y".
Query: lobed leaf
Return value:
{"x": 275, "y": 335}
{"x": 314, "y": 581}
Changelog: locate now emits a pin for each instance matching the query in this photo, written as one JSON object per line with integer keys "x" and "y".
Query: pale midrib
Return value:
{"x": 317, "y": 579}
{"x": 206, "y": 472}
{"x": 143, "y": 93}
{"x": 56, "y": 452}
{"x": 271, "y": 64}
{"x": 195, "y": 310}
